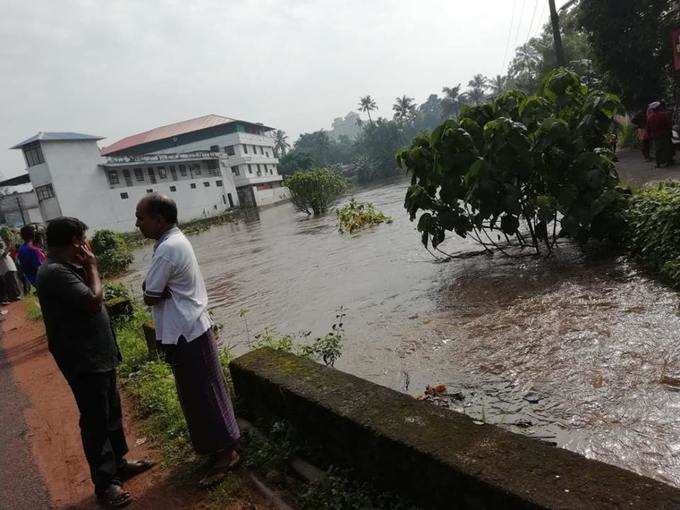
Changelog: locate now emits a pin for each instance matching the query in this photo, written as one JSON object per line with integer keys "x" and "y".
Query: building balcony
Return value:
{"x": 245, "y": 180}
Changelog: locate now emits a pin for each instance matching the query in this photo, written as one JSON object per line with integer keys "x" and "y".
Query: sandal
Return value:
{"x": 131, "y": 468}
{"x": 219, "y": 471}
{"x": 114, "y": 497}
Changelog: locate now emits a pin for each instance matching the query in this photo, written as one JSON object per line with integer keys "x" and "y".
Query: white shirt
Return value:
{"x": 174, "y": 266}
{"x": 6, "y": 262}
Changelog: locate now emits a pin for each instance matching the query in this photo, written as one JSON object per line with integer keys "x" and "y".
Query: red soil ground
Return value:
{"x": 51, "y": 421}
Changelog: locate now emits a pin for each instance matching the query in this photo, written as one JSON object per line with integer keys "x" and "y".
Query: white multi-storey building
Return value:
{"x": 208, "y": 165}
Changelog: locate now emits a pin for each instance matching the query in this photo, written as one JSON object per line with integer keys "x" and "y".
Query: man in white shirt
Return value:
{"x": 175, "y": 290}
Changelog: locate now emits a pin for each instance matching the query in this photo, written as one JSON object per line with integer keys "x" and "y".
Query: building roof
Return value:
{"x": 52, "y": 136}
{"x": 169, "y": 131}
{"x": 15, "y": 181}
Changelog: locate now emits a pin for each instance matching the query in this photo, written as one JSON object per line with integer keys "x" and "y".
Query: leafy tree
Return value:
{"x": 281, "y": 144}
{"x": 367, "y": 105}
{"x": 497, "y": 85}
{"x": 404, "y": 109}
{"x": 630, "y": 43}
{"x": 112, "y": 252}
{"x": 452, "y": 102}
{"x": 379, "y": 142}
{"x": 429, "y": 113}
{"x": 536, "y": 58}
{"x": 318, "y": 144}
{"x": 477, "y": 89}
{"x": 294, "y": 161}
{"x": 518, "y": 169}
{"x": 314, "y": 190}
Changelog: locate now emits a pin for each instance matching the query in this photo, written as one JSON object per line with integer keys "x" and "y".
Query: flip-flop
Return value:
{"x": 219, "y": 473}
{"x": 114, "y": 497}
{"x": 132, "y": 468}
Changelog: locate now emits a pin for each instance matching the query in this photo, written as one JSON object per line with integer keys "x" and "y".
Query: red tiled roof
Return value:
{"x": 160, "y": 133}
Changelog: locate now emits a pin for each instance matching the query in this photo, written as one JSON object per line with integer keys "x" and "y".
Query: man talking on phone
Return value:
{"x": 82, "y": 342}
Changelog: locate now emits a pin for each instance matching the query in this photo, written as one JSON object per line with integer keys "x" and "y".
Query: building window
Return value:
{"x": 229, "y": 149}
{"x": 234, "y": 170}
{"x": 150, "y": 190}
{"x": 259, "y": 172}
{"x": 162, "y": 174}
{"x": 173, "y": 188}
{"x": 214, "y": 148}
{"x": 34, "y": 155}
{"x": 139, "y": 174}
{"x": 245, "y": 149}
{"x": 124, "y": 196}
{"x": 206, "y": 184}
{"x": 44, "y": 192}
{"x": 193, "y": 185}
{"x": 152, "y": 176}
{"x": 113, "y": 177}
{"x": 267, "y": 154}
{"x": 196, "y": 169}
{"x": 231, "y": 200}
{"x": 173, "y": 172}
{"x": 218, "y": 183}
{"x": 250, "y": 168}
{"x": 254, "y": 150}
{"x": 183, "y": 170}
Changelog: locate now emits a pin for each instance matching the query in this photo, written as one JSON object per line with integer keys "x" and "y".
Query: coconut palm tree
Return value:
{"x": 477, "y": 87}
{"x": 404, "y": 109}
{"x": 367, "y": 105}
{"x": 281, "y": 144}
{"x": 497, "y": 85}
{"x": 451, "y": 102}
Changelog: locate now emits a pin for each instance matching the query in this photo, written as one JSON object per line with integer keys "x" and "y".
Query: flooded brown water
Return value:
{"x": 570, "y": 350}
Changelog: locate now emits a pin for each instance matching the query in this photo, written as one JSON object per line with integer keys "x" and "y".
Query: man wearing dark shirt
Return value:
{"x": 80, "y": 337}
{"x": 29, "y": 256}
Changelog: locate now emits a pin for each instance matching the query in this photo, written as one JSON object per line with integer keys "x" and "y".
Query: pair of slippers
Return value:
{"x": 114, "y": 496}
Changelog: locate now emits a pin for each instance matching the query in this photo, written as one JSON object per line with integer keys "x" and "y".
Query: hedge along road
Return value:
{"x": 571, "y": 350}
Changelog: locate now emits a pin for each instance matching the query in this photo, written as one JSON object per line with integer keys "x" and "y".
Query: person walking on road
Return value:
{"x": 83, "y": 344}
{"x": 175, "y": 290}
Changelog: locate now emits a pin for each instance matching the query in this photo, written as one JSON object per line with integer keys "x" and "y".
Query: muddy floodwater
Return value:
{"x": 577, "y": 351}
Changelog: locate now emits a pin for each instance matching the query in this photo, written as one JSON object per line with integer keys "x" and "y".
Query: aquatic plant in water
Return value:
{"x": 357, "y": 215}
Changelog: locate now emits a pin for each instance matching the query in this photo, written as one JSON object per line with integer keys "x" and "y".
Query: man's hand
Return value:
{"x": 85, "y": 256}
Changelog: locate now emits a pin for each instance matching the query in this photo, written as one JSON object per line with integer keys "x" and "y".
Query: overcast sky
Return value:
{"x": 115, "y": 68}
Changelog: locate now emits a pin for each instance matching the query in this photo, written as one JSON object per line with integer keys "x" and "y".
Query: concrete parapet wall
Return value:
{"x": 433, "y": 456}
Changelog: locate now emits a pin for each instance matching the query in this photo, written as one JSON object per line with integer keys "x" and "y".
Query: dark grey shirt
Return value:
{"x": 80, "y": 340}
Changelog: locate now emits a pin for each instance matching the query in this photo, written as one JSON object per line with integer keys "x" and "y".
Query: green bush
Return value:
{"x": 113, "y": 254}
{"x": 654, "y": 229}
{"x": 314, "y": 190}
{"x": 521, "y": 169}
{"x": 357, "y": 215}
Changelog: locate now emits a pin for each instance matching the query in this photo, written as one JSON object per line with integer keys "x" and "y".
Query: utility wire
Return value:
{"x": 519, "y": 24}
{"x": 507, "y": 44}
{"x": 533, "y": 17}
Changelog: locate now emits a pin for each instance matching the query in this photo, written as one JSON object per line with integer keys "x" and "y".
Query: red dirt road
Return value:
{"x": 50, "y": 418}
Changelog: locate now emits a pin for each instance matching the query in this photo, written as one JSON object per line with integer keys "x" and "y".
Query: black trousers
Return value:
{"x": 101, "y": 424}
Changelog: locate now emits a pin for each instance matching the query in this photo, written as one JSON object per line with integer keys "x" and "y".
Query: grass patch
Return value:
{"x": 33, "y": 307}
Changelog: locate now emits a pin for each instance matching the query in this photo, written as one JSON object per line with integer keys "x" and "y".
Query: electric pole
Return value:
{"x": 557, "y": 36}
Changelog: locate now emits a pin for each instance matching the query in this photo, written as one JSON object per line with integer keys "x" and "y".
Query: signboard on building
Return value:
{"x": 675, "y": 41}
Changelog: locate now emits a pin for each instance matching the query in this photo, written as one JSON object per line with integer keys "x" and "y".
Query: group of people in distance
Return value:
{"x": 655, "y": 132}
{"x": 83, "y": 344}
{"x": 19, "y": 263}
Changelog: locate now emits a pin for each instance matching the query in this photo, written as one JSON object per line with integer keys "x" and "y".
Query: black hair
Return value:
{"x": 27, "y": 232}
{"x": 160, "y": 205}
{"x": 61, "y": 231}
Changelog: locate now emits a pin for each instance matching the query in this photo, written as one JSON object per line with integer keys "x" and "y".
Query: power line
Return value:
{"x": 533, "y": 17}
{"x": 507, "y": 44}
{"x": 519, "y": 24}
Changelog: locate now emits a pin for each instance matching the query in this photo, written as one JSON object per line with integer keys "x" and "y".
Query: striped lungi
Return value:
{"x": 203, "y": 394}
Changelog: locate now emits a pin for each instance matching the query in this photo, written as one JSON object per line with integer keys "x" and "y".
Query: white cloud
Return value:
{"x": 115, "y": 68}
